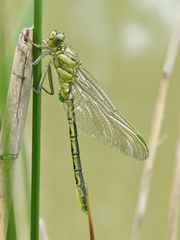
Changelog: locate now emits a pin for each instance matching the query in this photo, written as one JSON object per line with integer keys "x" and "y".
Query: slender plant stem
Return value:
{"x": 35, "y": 178}
{"x": 4, "y": 69}
{"x": 11, "y": 230}
{"x": 155, "y": 133}
{"x": 172, "y": 228}
{"x": 25, "y": 175}
{"x": 3, "y": 91}
{"x": 175, "y": 196}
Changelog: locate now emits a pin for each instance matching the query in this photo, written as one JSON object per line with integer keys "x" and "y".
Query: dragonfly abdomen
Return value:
{"x": 79, "y": 179}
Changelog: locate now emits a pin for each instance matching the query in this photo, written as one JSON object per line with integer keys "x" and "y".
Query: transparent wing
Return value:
{"x": 97, "y": 116}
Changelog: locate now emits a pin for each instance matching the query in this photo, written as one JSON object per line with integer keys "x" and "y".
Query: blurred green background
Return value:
{"x": 123, "y": 44}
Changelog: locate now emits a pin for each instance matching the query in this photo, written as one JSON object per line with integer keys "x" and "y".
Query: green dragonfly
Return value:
{"x": 87, "y": 105}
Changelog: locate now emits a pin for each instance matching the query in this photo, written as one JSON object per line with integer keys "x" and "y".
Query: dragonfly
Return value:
{"x": 87, "y": 106}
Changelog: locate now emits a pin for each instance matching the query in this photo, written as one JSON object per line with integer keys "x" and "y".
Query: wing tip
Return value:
{"x": 145, "y": 151}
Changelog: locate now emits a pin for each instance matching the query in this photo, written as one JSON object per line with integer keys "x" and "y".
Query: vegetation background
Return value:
{"x": 123, "y": 44}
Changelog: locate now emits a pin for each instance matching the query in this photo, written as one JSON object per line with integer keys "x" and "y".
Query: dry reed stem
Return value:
{"x": 155, "y": 131}
{"x": 175, "y": 196}
{"x": 18, "y": 98}
{"x": 13, "y": 121}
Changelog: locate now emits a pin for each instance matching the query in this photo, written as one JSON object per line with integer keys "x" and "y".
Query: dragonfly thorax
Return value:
{"x": 66, "y": 63}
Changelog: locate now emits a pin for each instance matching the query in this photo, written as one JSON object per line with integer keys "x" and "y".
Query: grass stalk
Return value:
{"x": 3, "y": 91}
{"x": 11, "y": 230}
{"x": 4, "y": 63}
{"x": 36, "y": 131}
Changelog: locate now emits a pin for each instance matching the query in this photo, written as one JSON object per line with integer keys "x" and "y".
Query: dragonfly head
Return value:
{"x": 55, "y": 39}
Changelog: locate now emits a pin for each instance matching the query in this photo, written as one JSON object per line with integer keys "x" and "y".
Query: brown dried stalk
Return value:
{"x": 14, "y": 120}
{"x": 175, "y": 196}
{"x": 155, "y": 131}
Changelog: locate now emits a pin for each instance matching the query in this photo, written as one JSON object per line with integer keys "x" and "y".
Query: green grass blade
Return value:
{"x": 35, "y": 181}
{"x": 11, "y": 230}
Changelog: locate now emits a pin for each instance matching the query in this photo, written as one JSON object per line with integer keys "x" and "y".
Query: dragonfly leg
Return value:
{"x": 44, "y": 54}
{"x": 50, "y": 80}
{"x": 38, "y": 90}
{"x": 24, "y": 78}
{"x": 47, "y": 70}
{"x": 42, "y": 46}
{"x": 41, "y": 81}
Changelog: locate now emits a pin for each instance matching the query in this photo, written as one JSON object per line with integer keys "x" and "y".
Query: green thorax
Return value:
{"x": 66, "y": 63}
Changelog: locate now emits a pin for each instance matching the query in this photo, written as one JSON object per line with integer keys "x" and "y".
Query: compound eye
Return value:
{"x": 57, "y": 39}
